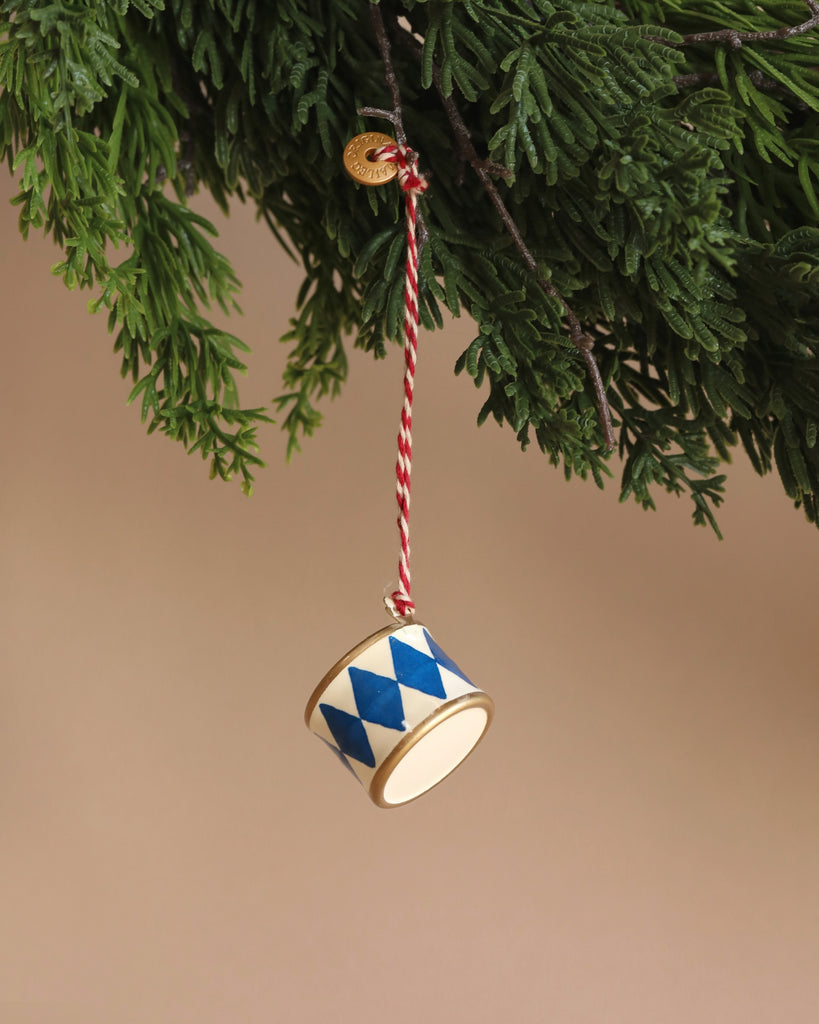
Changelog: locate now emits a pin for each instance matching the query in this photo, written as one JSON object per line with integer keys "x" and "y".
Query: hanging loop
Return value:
{"x": 404, "y": 161}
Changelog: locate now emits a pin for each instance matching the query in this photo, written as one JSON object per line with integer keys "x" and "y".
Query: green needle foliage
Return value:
{"x": 667, "y": 187}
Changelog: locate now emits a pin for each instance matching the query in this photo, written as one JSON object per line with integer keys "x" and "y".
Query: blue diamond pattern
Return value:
{"x": 349, "y": 733}
{"x": 445, "y": 660}
{"x": 377, "y": 698}
{"x": 416, "y": 669}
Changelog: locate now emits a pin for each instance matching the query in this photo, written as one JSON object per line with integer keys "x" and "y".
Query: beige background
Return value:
{"x": 636, "y": 841}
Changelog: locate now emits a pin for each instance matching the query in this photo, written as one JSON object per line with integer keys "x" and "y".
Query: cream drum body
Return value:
{"x": 399, "y": 713}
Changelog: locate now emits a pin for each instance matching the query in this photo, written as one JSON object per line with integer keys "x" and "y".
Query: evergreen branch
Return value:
{"x": 736, "y": 39}
{"x": 582, "y": 341}
{"x": 666, "y": 179}
{"x": 579, "y": 338}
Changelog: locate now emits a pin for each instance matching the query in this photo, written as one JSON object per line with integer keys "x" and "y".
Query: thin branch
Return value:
{"x": 388, "y": 115}
{"x": 761, "y": 82}
{"x": 698, "y": 78}
{"x": 396, "y": 115}
{"x": 484, "y": 170}
{"x": 737, "y": 39}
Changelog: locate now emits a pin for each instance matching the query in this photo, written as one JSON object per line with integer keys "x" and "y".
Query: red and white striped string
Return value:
{"x": 400, "y": 604}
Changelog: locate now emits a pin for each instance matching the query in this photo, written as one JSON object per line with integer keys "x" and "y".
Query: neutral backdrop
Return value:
{"x": 635, "y": 841}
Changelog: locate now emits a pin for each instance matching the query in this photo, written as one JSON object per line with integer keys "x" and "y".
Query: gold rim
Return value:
{"x": 342, "y": 663}
{"x": 379, "y": 782}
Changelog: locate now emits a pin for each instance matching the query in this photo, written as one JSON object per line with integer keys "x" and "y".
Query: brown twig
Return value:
{"x": 698, "y": 78}
{"x": 396, "y": 115}
{"x": 484, "y": 170}
{"x": 712, "y": 78}
{"x": 736, "y": 40}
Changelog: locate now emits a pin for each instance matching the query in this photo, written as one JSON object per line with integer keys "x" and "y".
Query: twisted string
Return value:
{"x": 399, "y": 604}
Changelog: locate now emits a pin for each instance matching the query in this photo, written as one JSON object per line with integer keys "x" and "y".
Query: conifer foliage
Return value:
{"x": 615, "y": 184}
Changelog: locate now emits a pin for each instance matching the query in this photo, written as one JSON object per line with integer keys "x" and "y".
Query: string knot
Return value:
{"x": 409, "y": 177}
{"x": 400, "y": 606}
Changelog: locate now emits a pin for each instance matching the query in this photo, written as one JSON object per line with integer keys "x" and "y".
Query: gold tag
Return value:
{"x": 361, "y": 167}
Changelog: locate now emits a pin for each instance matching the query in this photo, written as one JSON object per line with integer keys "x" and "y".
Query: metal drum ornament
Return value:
{"x": 399, "y": 713}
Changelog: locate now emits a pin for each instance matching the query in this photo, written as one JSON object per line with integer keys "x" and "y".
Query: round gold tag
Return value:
{"x": 358, "y": 163}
